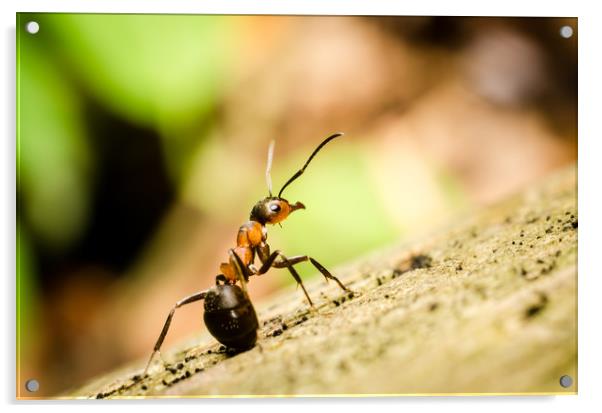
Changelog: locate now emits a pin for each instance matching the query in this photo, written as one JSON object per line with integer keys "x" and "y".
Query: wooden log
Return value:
{"x": 487, "y": 305}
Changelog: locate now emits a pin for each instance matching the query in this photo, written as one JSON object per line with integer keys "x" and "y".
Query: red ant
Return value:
{"x": 229, "y": 313}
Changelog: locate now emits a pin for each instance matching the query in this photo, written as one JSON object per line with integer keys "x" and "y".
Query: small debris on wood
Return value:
{"x": 536, "y": 308}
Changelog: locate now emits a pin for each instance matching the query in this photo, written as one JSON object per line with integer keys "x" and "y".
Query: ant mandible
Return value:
{"x": 229, "y": 313}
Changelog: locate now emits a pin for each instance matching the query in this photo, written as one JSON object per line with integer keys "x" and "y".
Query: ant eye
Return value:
{"x": 275, "y": 208}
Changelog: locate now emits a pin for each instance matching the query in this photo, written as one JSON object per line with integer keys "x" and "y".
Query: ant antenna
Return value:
{"x": 268, "y": 168}
{"x": 300, "y": 171}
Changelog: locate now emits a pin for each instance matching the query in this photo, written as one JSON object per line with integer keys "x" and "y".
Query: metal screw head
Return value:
{"x": 32, "y": 27}
{"x": 566, "y": 32}
{"x": 566, "y": 381}
{"x": 32, "y": 385}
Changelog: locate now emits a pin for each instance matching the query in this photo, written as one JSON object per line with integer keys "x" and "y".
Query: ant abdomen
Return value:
{"x": 230, "y": 317}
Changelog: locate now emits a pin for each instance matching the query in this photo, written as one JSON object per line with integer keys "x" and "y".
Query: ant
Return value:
{"x": 229, "y": 314}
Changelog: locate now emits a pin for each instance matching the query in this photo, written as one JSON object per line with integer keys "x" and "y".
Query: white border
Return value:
{"x": 590, "y": 207}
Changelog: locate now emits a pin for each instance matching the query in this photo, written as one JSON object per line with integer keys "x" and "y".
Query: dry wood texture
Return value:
{"x": 488, "y": 305}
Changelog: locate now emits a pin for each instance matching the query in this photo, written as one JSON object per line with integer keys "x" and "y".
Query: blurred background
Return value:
{"x": 142, "y": 143}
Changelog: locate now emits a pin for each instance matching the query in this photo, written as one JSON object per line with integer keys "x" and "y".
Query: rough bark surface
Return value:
{"x": 488, "y": 305}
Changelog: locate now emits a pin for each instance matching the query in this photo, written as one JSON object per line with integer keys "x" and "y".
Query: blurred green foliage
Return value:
{"x": 165, "y": 72}
{"x": 170, "y": 73}
{"x": 162, "y": 71}
{"x": 53, "y": 154}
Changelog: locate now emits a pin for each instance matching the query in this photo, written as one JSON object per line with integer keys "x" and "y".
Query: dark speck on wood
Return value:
{"x": 421, "y": 261}
{"x": 536, "y": 308}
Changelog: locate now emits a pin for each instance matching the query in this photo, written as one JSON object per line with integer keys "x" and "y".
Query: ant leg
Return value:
{"x": 285, "y": 263}
{"x": 327, "y": 274}
{"x": 270, "y": 261}
{"x": 301, "y": 258}
{"x": 187, "y": 300}
{"x": 242, "y": 271}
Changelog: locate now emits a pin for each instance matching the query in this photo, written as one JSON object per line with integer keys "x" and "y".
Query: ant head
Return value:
{"x": 272, "y": 210}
